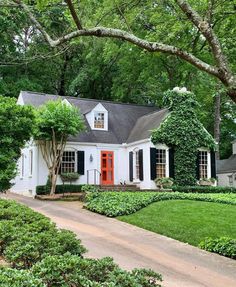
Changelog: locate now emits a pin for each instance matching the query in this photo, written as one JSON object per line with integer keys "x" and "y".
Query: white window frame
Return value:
{"x": 31, "y": 162}
{"x": 163, "y": 150}
{"x": 136, "y": 165}
{"x": 97, "y": 114}
{"x": 22, "y": 167}
{"x": 205, "y": 164}
{"x": 68, "y": 162}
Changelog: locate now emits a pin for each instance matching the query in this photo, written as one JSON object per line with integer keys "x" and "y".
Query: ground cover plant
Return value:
{"x": 113, "y": 204}
{"x": 41, "y": 255}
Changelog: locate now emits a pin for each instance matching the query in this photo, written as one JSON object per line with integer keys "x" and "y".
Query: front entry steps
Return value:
{"x": 120, "y": 187}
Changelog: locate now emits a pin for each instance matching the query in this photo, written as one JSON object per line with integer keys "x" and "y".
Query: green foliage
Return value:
{"x": 54, "y": 257}
{"x": 16, "y": 127}
{"x": 123, "y": 203}
{"x": 27, "y": 236}
{"x": 165, "y": 182}
{"x": 60, "y": 188}
{"x": 204, "y": 189}
{"x": 59, "y": 119}
{"x": 182, "y": 130}
{"x": 224, "y": 246}
{"x": 90, "y": 188}
{"x": 70, "y": 270}
{"x": 18, "y": 278}
{"x": 69, "y": 176}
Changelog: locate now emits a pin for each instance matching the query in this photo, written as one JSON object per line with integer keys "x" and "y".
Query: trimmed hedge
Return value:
{"x": 113, "y": 204}
{"x": 224, "y": 246}
{"x": 60, "y": 188}
{"x": 204, "y": 189}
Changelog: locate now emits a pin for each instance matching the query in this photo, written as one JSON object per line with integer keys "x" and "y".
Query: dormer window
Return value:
{"x": 99, "y": 120}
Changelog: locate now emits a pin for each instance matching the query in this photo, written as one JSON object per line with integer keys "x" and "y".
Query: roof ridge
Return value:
{"x": 89, "y": 99}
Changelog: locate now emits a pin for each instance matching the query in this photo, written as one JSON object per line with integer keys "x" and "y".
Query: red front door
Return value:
{"x": 107, "y": 167}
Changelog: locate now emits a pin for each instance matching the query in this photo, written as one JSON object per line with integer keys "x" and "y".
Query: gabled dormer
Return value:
{"x": 98, "y": 118}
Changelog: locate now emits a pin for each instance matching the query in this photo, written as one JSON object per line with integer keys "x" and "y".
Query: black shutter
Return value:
{"x": 153, "y": 159}
{"x": 198, "y": 166}
{"x": 131, "y": 177}
{"x": 171, "y": 163}
{"x": 213, "y": 164}
{"x": 140, "y": 160}
{"x": 80, "y": 162}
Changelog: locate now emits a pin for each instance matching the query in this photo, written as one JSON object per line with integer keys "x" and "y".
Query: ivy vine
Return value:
{"x": 182, "y": 131}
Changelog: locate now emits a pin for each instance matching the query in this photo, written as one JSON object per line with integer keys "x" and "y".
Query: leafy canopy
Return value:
{"x": 16, "y": 128}
{"x": 57, "y": 118}
{"x": 183, "y": 131}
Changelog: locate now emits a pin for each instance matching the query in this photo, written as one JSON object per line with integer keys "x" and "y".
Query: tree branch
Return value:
{"x": 207, "y": 32}
{"x": 74, "y": 14}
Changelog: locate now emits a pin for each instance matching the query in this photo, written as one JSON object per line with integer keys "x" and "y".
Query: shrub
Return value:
{"x": 164, "y": 182}
{"x": 204, "y": 189}
{"x": 18, "y": 278}
{"x": 123, "y": 203}
{"x": 224, "y": 246}
{"x": 71, "y": 270}
{"x": 60, "y": 188}
{"x": 69, "y": 176}
{"x": 90, "y": 188}
{"x": 29, "y": 248}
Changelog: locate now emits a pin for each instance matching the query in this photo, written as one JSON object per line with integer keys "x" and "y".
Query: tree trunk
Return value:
{"x": 53, "y": 183}
{"x": 217, "y": 122}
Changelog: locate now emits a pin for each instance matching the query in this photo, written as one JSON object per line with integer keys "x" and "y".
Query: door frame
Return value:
{"x": 106, "y": 169}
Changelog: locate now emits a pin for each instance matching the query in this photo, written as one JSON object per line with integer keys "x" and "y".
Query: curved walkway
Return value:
{"x": 180, "y": 264}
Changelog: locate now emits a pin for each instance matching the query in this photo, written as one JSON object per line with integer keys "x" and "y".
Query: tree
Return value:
{"x": 183, "y": 132}
{"x": 203, "y": 27}
{"x": 16, "y": 128}
{"x": 55, "y": 122}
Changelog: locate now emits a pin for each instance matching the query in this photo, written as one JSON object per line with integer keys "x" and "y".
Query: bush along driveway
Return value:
{"x": 180, "y": 264}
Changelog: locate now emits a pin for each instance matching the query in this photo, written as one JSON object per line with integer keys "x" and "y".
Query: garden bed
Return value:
{"x": 80, "y": 196}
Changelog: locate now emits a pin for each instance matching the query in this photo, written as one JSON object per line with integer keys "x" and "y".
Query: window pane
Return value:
{"x": 68, "y": 162}
{"x": 161, "y": 163}
{"x": 203, "y": 163}
{"x": 99, "y": 120}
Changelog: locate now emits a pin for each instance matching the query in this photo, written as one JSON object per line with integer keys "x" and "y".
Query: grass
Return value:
{"x": 185, "y": 220}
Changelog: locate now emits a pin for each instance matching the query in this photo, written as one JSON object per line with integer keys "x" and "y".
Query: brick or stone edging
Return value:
{"x": 66, "y": 196}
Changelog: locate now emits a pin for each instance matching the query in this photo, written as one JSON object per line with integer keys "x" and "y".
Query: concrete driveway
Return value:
{"x": 180, "y": 264}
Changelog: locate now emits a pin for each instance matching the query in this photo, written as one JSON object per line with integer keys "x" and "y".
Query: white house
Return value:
{"x": 226, "y": 169}
{"x": 115, "y": 148}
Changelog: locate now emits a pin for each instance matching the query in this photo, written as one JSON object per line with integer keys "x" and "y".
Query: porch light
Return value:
{"x": 91, "y": 158}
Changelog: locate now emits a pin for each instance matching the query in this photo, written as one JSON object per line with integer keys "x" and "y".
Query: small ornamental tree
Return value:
{"x": 182, "y": 131}
{"x": 55, "y": 122}
{"x": 16, "y": 128}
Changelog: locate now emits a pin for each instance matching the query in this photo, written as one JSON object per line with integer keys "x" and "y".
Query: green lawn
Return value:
{"x": 185, "y": 220}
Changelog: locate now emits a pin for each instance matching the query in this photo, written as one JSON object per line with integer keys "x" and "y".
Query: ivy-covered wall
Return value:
{"x": 183, "y": 131}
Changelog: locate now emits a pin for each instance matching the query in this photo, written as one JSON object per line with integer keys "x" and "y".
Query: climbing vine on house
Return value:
{"x": 182, "y": 131}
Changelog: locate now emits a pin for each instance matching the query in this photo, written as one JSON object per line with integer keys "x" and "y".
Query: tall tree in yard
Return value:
{"x": 16, "y": 128}
{"x": 55, "y": 122}
{"x": 144, "y": 24}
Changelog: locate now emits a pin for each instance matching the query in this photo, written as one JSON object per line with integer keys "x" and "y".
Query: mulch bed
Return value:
{"x": 63, "y": 196}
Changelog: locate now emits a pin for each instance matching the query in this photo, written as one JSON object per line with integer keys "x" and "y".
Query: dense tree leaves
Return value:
{"x": 16, "y": 127}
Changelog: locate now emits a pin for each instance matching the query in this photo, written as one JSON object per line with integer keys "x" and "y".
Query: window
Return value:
{"x": 68, "y": 162}
{"x": 161, "y": 163}
{"x": 99, "y": 120}
{"x": 137, "y": 164}
{"x": 203, "y": 164}
{"x": 22, "y": 165}
{"x": 231, "y": 180}
{"x": 30, "y": 162}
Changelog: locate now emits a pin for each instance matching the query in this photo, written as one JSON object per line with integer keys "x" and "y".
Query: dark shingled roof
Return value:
{"x": 126, "y": 122}
{"x": 227, "y": 165}
{"x": 145, "y": 124}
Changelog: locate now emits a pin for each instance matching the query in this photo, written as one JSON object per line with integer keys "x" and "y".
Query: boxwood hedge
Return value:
{"x": 60, "y": 188}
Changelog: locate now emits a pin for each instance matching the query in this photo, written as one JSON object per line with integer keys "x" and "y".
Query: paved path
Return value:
{"x": 180, "y": 264}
